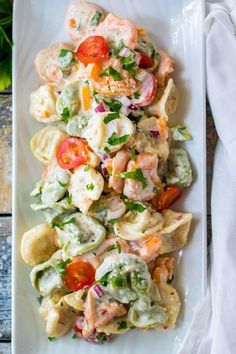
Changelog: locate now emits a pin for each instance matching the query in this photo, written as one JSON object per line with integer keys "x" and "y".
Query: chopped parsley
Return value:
{"x": 132, "y": 154}
{"x": 135, "y": 206}
{"x": 117, "y": 140}
{"x": 155, "y": 190}
{"x": 61, "y": 225}
{"x": 51, "y": 339}
{"x": 86, "y": 168}
{"x": 104, "y": 279}
{"x": 122, "y": 325}
{"x": 123, "y": 196}
{"x": 95, "y": 19}
{"x": 111, "y": 116}
{"x": 136, "y": 95}
{"x": 130, "y": 68}
{"x": 60, "y": 267}
{"x": 110, "y": 71}
{"x": 94, "y": 95}
{"x": 90, "y": 187}
{"x": 107, "y": 150}
{"x": 116, "y": 246}
{"x": 62, "y": 184}
{"x": 69, "y": 198}
{"x": 83, "y": 297}
{"x": 74, "y": 336}
{"x": 66, "y": 58}
{"x": 112, "y": 221}
{"x": 40, "y": 299}
{"x": 136, "y": 174}
{"x": 65, "y": 114}
{"x": 114, "y": 105}
{"x": 101, "y": 338}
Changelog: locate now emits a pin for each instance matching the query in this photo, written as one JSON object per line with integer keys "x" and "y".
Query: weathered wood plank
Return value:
{"x": 5, "y": 153}
{"x": 5, "y": 278}
{"x": 5, "y": 348}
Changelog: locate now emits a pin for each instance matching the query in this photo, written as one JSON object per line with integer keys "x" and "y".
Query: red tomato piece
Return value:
{"x": 166, "y": 197}
{"x": 93, "y": 50}
{"x": 78, "y": 275}
{"x": 71, "y": 153}
{"x": 146, "y": 61}
{"x": 147, "y": 89}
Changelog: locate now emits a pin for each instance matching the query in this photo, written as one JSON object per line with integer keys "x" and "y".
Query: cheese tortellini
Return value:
{"x": 45, "y": 142}
{"x": 109, "y": 136}
{"x": 168, "y": 102}
{"x": 86, "y": 185}
{"x": 134, "y": 226}
{"x": 59, "y": 316}
{"x": 38, "y": 244}
{"x": 43, "y": 104}
{"x": 175, "y": 230}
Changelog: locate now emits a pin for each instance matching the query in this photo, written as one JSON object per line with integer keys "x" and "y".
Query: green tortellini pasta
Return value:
{"x": 77, "y": 125}
{"x": 124, "y": 277}
{"x": 79, "y": 233}
{"x": 180, "y": 133}
{"x": 179, "y": 171}
{"x": 68, "y": 103}
{"x": 45, "y": 278}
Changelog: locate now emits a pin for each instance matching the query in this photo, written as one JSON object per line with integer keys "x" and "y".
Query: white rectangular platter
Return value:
{"x": 176, "y": 26}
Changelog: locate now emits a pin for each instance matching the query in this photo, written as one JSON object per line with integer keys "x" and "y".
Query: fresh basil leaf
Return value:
{"x": 95, "y": 19}
{"x": 114, "y": 105}
{"x": 110, "y": 71}
{"x": 130, "y": 68}
{"x": 136, "y": 174}
{"x": 65, "y": 114}
{"x": 135, "y": 206}
{"x": 117, "y": 140}
{"x": 111, "y": 116}
{"x": 107, "y": 150}
{"x": 136, "y": 95}
{"x": 123, "y": 196}
{"x": 101, "y": 338}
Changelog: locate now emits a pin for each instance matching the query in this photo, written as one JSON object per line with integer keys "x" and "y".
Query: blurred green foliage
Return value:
{"x": 5, "y": 43}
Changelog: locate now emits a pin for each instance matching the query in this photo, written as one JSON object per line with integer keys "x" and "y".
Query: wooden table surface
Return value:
{"x": 5, "y": 210}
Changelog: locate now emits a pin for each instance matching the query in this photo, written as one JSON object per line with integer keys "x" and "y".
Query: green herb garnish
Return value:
{"x": 74, "y": 336}
{"x": 66, "y": 58}
{"x": 104, "y": 279}
{"x": 40, "y": 299}
{"x": 69, "y": 198}
{"x": 132, "y": 154}
{"x": 136, "y": 95}
{"x": 111, "y": 116}
{"x": 51, "y": 339}
{"x": 87, "y": 168}
{"x": 65, "y": 114}
{"x": 90, "y": 186}
{"x": 112, "y": 221}
{"x": 114, "y": 105}
{"x": 62, "y": 184}
{"x": 130, "y": 68}
{"x": 60, "y": 267}
{"x": 110, "y": 71}
{"x": 136, "y": 174}
{"x": 116, "y": 246}
{"x": 61, "y": 225}
{"x": 101, "y": 338}
{"x": 122, "y": 325}
{"x": 123, "y": 196}
{"x": 117, "y": 140}
{"x": 135, "y": 206}
{"x": 95, "y": 19}
{"x": 83, "y": 297}
{"x": 107, "y": 150}
{"x": 5, "y": 43}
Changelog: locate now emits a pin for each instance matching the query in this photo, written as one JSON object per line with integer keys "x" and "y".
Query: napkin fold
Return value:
{"x": 213, "y": 330}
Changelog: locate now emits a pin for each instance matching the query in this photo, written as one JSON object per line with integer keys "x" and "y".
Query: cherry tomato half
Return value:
{"x": 78, "y": 275}
{"x": 146, "y": 61}
{"x": 166, "y": 197}
{"x": 71, "y": 153}
{"x": 94, "y": 49}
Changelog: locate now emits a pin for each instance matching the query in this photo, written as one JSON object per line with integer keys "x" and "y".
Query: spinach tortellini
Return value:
{"x": 124, "y": 277}
{"x": 45, "y": 277}
{"x": 179, "y": 171}
{"x": 44, "y": 143}
{"x": 78, "y": 234}
{"x": 68, "y": 102}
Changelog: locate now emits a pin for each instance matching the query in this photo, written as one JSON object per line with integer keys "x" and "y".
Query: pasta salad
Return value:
{"x": 103, "y": 262}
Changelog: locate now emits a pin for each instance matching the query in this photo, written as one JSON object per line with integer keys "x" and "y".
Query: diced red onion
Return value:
{"x": 104, "y": 171}
{"x": 104, "y": 157}
{"x": 155, "y": 133}
{"x": 132, "y": 107}
{"x": 100, "y": 108}
{"x": 125, "y": 52}
{"x": 98, "y": 290}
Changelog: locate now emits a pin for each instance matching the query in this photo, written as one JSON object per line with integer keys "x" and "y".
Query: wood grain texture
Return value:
{"x": 5, "y": 153}
{"x": 5, "y": 278}
{"x": 5, "y": 348}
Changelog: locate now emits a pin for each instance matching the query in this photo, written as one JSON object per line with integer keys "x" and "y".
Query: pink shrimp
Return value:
{"x": 116, "y": 30}
{"x": 133, "y": 188}
{"x": 82, "y": 19}
{"x": 149, "y": 248}
{"x": 164, "y": 269}
{"x": 119, "y": 164}
{"x": 47, "y": 64}
{"x": 164, "y": 69}
{"x": 107, "y": 244}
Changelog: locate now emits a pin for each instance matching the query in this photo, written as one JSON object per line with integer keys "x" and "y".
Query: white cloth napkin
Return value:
{"x": 213, "y": 330}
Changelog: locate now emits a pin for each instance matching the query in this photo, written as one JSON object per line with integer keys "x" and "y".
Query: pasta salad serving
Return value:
{"x": 103, "y": 261}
